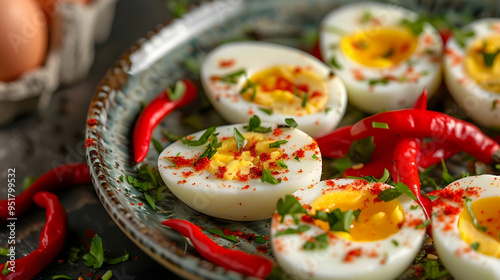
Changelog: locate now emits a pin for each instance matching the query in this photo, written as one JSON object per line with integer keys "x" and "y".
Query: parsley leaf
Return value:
{"x": 320, "y": 242}
{"x": 291, "y": 122}
{"x": 475, "y": 246}
{"x": 267, "y": 111}
{"x": 380, "y": 125}
{"x": 220, "y": 233}
{"x": 6, "y": 270}
{"x": 385, "y": 177}
{"x": 268, "y": 177}
{"x": 489, "y": 58}
{"x": 447, "y": 178}
{"x": 335, "y": 64}
{"x": 281, "y": 164}
{"x": 250, "y": 85}
{"x": 288, "y": 231}
{"x": 304, "y": 100}
{"x": 289, "y": 206}
{"x": 158, "y": 146}
{"x": 367, "y": 17}
{"x": 468, "y": 205}
{"x": 260, "y": 239}
{"x": 389, "y": 194}
{"x": 462, "y": 35}
{"x": 424, "y": 224}
{"x": 338, "y": 220}
{"x": 431, "y": 269}
{"x": 277, "y": 144}
{"x": 211, "y": 147}
{"x": 416, "y": 27}
{"x": 95, "y": 258}
{"x": 203, "y": 138}
{"x": 232, "y": 78}
{"x": 240, "y": 140}
{"x": 254, "y": 125}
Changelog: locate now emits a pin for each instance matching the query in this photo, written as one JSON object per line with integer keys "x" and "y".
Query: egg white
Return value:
{"x": 255, "y": 57}
{"x": 234, "y": 199}
{"x": 475, "y": 100}
{"x": 394, "y": 95}
{"x": 386, "y": 262}
{"x": 456, "y": 255}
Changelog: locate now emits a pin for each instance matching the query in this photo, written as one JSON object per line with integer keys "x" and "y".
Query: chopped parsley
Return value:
{"x": 267, "y": 111}
{"x": 475, "y": 246}
{"x": 60, "y": 277}
{"x": 462, "y": 35}
{"x": 304, "y": 100}
{"x": 385, "y": 177}
{"x": 149, "y": 182}
{"x": 468, "y": 205}
{"x": 424, "y": 224}
{"x": 288, "y": 231}
{"x": 489, "y": 58}
{"x": 335, "y": 64}
{"x": 6, "y": 270}
{"x": 416, "y": 27}
{"x": 291, "y": 122}
{"x": 4, "y": 251}
{"x": 383, "y": 81}
{"x": 157, "y": 145}
{"x": 414, "y": 207}
{"x": 260, "y": 239}
{"x": 177, "y": 91}
{"x": 95, "y": 257}
{"x": 431, "y": 197}
{"x": 319, "y": 242}
{"x": 220, "y": 233}
{"x": 281, "y": 164}
{"x": 277, "y": 144}
{"x": 232, "y": 78}
{"x": 367, "y": 17}
{"x": 337, "y": 219}
{"x": 432, "y": 271}
{"x": 395, "y": 242}
{"x": 290, "y": 206}
{"x": 268, "y": 177}
{"x": 203, "y": 138}
{"x": 250, "y": 85}
{"x": 107, "y": 275}
{"x": 254, "y": 125}
{"x": 212, "y": 147}
{"x": 297, "y": 158}
{"x": 314, "y": 156}
{"x": 240, "y": 140}
{"x": 447, "y": 178}
{"x": 393, "y": 193}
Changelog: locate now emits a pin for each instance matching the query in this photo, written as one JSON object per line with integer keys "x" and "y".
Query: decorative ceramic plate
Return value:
{"x": 172, "y": 52}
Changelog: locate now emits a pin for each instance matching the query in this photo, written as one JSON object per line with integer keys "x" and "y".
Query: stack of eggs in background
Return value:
{"x": 45, "y": 44}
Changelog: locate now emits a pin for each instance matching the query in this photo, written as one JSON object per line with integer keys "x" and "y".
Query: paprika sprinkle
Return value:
{"x": 164, "y": 103}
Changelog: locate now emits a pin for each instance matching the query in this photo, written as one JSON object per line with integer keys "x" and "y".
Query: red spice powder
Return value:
{"x": 450, "y": 210}
{"x": 300, "y": 153}
{"x": 351, "y": 255}
{"x": 262, "y": 249}
{"x": 307, "y": 219}
{"x": 187, "y": 174}
{"x": 453, "y": 195}
{"x": 277, "y": 131}
{"x": 182, "y": 161}
{"x": 415, "y": 222}
{"x": 92, "y": 122}
{"x": 221, "y": 170}
{"x": 89, "y": 142}
{"x": 223, "y": 63}
{"x": 264, "y": 157}
{"x": 311, "y": 147}
{"x": 201, "y": 164}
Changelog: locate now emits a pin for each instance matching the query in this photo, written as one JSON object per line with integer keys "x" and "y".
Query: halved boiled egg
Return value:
{"x": 339, "y": 229}
{"x": 385, "y": 55}
{"x": 466, "y": 227}
{"x": 472, "y": 70}
{"x": 274, "y": 82}
{"x": 238, "y": 172}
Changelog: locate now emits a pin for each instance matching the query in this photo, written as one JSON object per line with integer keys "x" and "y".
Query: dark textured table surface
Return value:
{"x": 37, "y": 142}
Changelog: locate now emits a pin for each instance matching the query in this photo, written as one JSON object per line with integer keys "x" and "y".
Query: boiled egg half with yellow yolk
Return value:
{"x": 274, "y": 82}
{"x": 466, "y": 227}
{"x": 339, "y": 229}
{"x": 472, "y": 71}
{"x": 238, "y": 172}
{"x": 385, "y": 55}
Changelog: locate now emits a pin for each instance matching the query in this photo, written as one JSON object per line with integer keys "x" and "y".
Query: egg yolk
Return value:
{"x": 482, "y": 62}
{"x": 230, "y": 164}
{"x": 379, "y": 47}
{"x": 487, "y": 213}
{"x": 288, "y": 90}
{"x": 378, "y": 219}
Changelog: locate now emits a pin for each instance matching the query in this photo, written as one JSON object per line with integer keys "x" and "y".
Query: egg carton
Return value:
{"x": 74, "y": 29}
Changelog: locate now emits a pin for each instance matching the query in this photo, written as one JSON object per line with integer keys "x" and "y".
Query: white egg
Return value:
{"x": 232, "y": 185}
{"x": 458, "y": 256}
{"x": 384, "y": 244}
{"x": 476, "y": 97}
{"x": 316, "y": 118}
{"x": 383, "y": 64}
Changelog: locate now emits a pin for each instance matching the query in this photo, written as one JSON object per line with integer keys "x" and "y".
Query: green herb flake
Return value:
{"x": 389, "y": 53}
{"x": 462, "y": 35}
{"x": 304, "y": 100}
{"x": 337, "y": 219}
{"x": 431, "y": 197}
{"x": 232, "y": 78}
{"x": 291, "y": 122}
{"x": 367, "y": 17}
{"x": 157, "y": 145}
{"x": 176, "y": 92}
{"x": 277, "y": 144}
{"x": 468, "y": 206}
{"x": 403, "y": 188}
{"x": 95, "y": 257}
{"x": 414, "y": 207}
{"x": 389, "y": 194}
{"x": 395, "y": 242}
{"x": 335, "y": 64}
{"x": 73, "y": 254}
{"x": 489, "y": 58}
{"x": 254, "y": 125}
{"x": 447, "y": 178}
{"x": 267, "y": 111}
{"x": 424, "y": 224}
{"x": 107, "y": 275}
{"x": 6, "y": 270}
{"x": 314, "y": 156}
{"x": 327, "y": 110}
{"x": 240, "y": 140}
{"x": 281, "y": 164}
{"x": 374, "y": 82}
{"x": 260, "y": 239}
{"x": 203, "y": 138}
{"x": 475, "y": 246}
{"x": 289, "y": 231}
{"x": 268, "y": 177}
{"x": 60, "y": 277}
{"x": 28, "y": 181}
{"x": 120, "y": 178}
{"x": 380, "y": 125}
{"x": 320, "y": 242}
{"x": 432, "y": 271}
{"x": 494, "y": 104}
{"x": 289, "y": 206}
{"x": 220, "y": 233}
{"x": 416, "y": 27}
{"x": 4, "y": 251}
{"x": 297, "y": 158}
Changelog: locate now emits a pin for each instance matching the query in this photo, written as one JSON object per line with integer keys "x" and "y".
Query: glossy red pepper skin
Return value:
{"x": 421, "y": 123}
{"x": 405, "y": 169}
{"x": 337, "y": 143}
{"x": 153, "y": 114}
{"x": 57, "y": 178}
{"x": 239, "y": 261}
{"x": 433, "y": 152}
{"x": 51, "y": 239}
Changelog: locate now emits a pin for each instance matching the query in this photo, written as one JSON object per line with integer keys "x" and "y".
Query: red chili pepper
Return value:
{"x": 432, "y": 152}
{"x": 152, "y": 115}
{"x": 405, "y": 169}
{"x": 336, "y": 144}
{"x": 239, "y": 261}
{"x": 51, "y": 240}
{"x": 421, "y": 123}
{"x": 57, "y": 178}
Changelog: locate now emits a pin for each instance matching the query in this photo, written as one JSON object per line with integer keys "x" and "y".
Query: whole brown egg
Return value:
{"x": 23, "y": 38}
